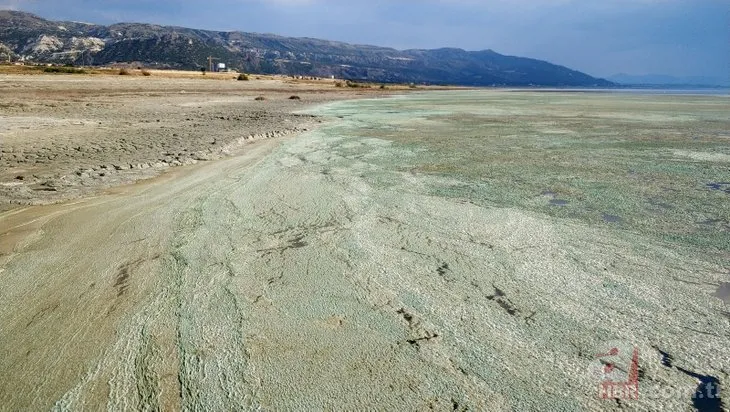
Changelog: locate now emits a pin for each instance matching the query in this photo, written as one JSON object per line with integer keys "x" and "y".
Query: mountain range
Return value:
{"x": 27, "y": 37}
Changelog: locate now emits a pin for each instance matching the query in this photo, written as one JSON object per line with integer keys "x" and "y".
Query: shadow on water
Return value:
{"x": 710, "y": 222}
{"x": 723, "y": 292}
{"x": 715, "y": 224}
{"x": 707, "y": 397}
{"x": 611, "y": 218}
{"x": 661, "y": 205}
{"x": 722, "y": 186}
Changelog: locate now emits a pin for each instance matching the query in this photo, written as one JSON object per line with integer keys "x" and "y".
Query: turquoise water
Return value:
{"x": 653, "y": 164}
{"x": 528, "y": 229}
{"x": 708, "y": 91}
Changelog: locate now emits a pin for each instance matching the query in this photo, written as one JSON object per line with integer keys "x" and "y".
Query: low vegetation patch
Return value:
{"x": 295, "y": 98}
{"x": 356, "y": 85}
{"x": 146, "y": 73}
{"x": 125, "y": 72}
{"x": 260, "y": 99}
{"x": 64, "y": 70}
{"x": 243, "y": 77}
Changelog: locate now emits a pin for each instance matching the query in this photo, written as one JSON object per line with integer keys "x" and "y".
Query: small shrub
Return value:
{"x": 356, "y": 85}
{"x": 146, "y": 73}
{"x": 339, "y": 84}
{"x": 243, "y": 77}
{"x": 64, "y": 70}
{"x": 295, "y": 98}
{"x": 382, "y": 87}
{"x": 125, "y": 72}
{"x": 260, "y": 99}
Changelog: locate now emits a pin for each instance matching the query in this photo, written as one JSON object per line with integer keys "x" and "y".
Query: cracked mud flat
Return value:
{"x": 376, "y": 263}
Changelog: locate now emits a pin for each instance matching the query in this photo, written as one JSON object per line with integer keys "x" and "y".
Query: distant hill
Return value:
{"x": 24, "y": 36}
{"x": 664, "y": 80}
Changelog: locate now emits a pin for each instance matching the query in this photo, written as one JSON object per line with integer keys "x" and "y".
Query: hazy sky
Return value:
{"x": 600, "y": 37}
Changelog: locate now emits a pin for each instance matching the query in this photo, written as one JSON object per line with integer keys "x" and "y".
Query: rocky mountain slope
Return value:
{"x": 24, "y": 36}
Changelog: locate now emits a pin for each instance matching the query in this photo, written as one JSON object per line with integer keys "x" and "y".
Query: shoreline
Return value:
{"x": 71, "y": 136}
{"x": 74, "y": 136}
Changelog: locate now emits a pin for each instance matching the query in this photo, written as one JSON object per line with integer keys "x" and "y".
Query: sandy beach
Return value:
{"x": 67, "y": 136}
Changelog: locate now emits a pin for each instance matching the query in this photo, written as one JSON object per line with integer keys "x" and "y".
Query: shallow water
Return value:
{"x": 659, "y": 162}
{"x": 585, "y": 216}
{"x": 405, "y": 256}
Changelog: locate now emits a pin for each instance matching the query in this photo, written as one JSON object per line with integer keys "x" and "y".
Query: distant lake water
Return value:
{"x": 634, "y": 158}
{"x": 699, "y": 92}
